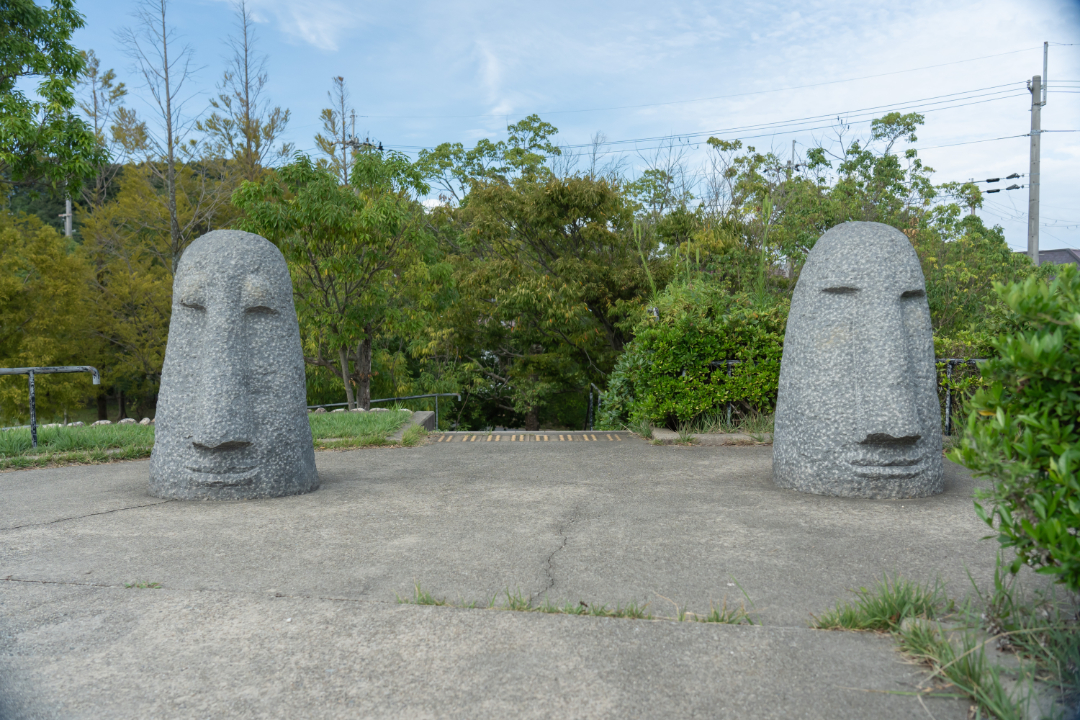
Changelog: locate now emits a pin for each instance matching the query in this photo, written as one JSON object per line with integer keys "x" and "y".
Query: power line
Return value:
{"x": 707, "y": 99}
{"x": 849, "y": 117}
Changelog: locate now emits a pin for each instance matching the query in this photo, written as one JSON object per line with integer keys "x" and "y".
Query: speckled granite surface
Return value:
{"x": 857, "y": 413}
{"x": 231, "y": 418}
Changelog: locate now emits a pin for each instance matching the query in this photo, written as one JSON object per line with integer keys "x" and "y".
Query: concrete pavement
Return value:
{"x": 286, "y": 607}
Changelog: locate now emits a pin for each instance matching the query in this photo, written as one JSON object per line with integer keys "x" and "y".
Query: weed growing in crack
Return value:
{"x": 885, "y": 606}
{"x": 951, "y": 640}
{"x": 143, "y": 585}
{"x": 420, "y": 597}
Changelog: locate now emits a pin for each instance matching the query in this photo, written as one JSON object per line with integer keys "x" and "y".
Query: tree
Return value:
{"x": 349, "y": 248}
{"x": 336, "y": 142}
{"x": 42, "y": 306}
{"x": 129, "y": 302}
{"x": 243, "y": 127}
{"x": 41, "y": 140}
{"x": 549, "y": 281}
{"x": 101, "y": 101}
{"x": 523, "y": 154}
{"x": 165, "y": 69}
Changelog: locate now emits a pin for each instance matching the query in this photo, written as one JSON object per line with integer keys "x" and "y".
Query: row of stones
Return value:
{"x": 322, "y": 410}
{"x": 80, "y": 423}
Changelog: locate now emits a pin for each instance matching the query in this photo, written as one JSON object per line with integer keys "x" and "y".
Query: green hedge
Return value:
{"x": 1024, "y": 429}
{"x": 664, "y": 376}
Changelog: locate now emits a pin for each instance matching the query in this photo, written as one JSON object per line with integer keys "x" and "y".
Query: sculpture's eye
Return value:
{"x": 841, "y": 290}
{"x": 193, "y": 303}
{"x": 913, "y": 293}
{"x": 261, "y": 310}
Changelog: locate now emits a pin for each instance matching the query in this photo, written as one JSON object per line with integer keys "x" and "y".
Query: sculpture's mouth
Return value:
{"x": 224, "y": 476}
{"x": 888, "y": 468}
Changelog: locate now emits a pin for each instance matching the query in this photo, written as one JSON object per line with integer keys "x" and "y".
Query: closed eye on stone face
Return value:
{"x": 261, "y": 310}
{"x": 193, "y": 303}
{"x": 840, "y": 290}
{"x": 913, "y": 293}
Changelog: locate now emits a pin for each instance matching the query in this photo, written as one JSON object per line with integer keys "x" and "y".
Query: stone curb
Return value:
{"x": 670, "y": 437}
{"x": 423, "y": 418}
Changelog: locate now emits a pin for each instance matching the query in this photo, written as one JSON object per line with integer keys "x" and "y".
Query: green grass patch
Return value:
{"x": 885, "y": 606}
{"x": 109, "y": 443}
{"x": 16, "y": 442}
{"x": 343, "y": 425}
{"x": 951, "y": 640}
{"x": 515, "y": 601}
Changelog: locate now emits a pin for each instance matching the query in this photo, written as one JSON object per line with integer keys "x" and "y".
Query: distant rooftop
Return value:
{"x": 1064, "y": 256}
{"x": 1060, "y": 257}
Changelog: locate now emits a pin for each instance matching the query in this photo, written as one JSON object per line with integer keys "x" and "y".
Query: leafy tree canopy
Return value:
{"x": 40, "y": 138}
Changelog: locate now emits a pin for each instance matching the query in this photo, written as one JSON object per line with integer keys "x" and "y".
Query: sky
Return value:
{"x": 423, "y": 73}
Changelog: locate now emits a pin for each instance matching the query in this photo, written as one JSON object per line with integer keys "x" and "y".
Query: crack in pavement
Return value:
{"x": 80, "y": 517}
{"x": 562, "y": 530}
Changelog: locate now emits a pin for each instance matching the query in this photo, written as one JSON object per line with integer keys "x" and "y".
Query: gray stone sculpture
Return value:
{"x": 857, "y": 413}
{"x": 231, "y": 418}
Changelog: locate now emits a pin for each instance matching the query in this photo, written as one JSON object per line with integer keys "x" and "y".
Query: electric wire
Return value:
{"x": 716, "y": 97}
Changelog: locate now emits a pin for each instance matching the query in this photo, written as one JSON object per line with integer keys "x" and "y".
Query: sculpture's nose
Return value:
{"x": 888, "y": 413}
{"x": 225, "y": 416}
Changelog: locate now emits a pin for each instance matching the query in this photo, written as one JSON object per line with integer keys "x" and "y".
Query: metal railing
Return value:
{"x": 950, "y": 363}
{"x": 404, "y": 397}
{"x": 32, "y": 371}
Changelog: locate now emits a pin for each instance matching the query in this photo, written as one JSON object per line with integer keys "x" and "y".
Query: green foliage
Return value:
{"x": 885, "y": 606}
{"x": 548, "y": 279}
{"x": 41, "y": 140}
{"x": 351, "y": 249}
{"x": 42, "y": 303}
{"x": 1024, "y": 431}
{"x": 665, "y": 376}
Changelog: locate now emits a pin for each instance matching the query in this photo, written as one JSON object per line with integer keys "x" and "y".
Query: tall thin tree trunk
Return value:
{"x": 170, "y": 155}
{"x": 123, "y": 406}
{"x": 363, "y": 369}
{"x": 102, "y": 406}
{"x": 343, "y": 355}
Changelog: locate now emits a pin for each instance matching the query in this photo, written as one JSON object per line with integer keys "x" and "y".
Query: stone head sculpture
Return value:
{"x": 231, "y": 416}
{"x": 857, "y": 412}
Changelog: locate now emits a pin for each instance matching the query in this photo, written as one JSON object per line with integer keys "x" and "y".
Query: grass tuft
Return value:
{"x": 421, "y": 597}
{"x": 960, "y": 659}
{"x": 414, "y": 435}
{"x": 885, "y": 606}
{"x": 143, "y": 585}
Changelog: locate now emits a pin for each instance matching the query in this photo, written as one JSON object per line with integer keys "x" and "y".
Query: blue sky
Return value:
{"x": 422, "y": 73}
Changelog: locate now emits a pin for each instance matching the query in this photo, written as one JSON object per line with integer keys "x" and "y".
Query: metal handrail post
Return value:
{"x": 948, "y": 397}
{"x": 33, "y": 413}
{"x": 46, "y": 370}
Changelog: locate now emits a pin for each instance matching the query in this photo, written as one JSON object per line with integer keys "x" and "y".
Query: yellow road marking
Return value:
{"x": 488, "y": 438}
{"x": 594, "y": 437}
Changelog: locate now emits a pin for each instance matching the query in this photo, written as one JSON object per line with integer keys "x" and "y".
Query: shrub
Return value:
{"x": 1024, "y": 429}
{"x": 664, "y": 377}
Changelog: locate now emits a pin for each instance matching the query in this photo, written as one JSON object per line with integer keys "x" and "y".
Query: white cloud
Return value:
{"x": 318, "y": 23}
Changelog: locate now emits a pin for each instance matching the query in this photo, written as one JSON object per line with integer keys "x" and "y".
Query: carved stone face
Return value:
{"x": 231, "y": 418}
{"x": 857, "y": 412}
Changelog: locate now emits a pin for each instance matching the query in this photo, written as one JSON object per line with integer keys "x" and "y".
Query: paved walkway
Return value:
{"x": 286, "y": 607}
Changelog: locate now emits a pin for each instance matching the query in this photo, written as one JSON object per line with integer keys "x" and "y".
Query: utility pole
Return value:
{"x": 1033, "y": 173}
{"x": 67, "y": 217}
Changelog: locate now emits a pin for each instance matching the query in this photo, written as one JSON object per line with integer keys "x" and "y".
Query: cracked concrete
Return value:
{"x": 262, "y": 598}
